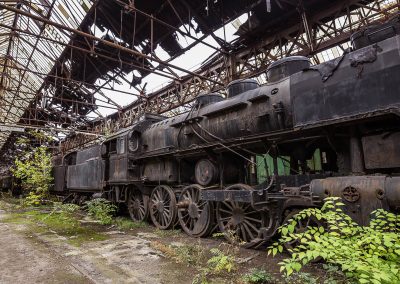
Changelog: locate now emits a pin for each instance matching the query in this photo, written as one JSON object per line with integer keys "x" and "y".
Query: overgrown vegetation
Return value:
{"x": 193, "y": 255}
{"x": 368, "y": 254}
{"x": 124, "y": 223}
{"x": 221, "y": 262}
{"x": 102, "y": 210}
{"x": 32, "y": 167}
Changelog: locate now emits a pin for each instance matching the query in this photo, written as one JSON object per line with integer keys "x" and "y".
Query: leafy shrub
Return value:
{"x": 258, "y": 276}
{"x": 102, "y": 210}
{"x": 33, "y": 168}
{"x": 370, "y": 254}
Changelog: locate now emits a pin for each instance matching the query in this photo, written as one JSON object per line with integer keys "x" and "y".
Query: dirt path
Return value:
{"x": 27, "y": 257}
{"x": 31, "y": 252}
{"x": 24, "y": 260}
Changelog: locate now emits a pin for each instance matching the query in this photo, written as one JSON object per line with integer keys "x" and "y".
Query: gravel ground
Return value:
{"x": 27, "y": 257}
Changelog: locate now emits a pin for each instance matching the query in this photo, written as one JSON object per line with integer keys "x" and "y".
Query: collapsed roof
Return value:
{"x": 54, "y": 53}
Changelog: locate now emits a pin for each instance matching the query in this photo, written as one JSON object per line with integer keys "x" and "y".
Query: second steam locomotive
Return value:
{"x": 333, "y": 128}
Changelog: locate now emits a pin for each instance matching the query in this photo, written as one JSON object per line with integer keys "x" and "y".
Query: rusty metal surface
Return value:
{"x": 361, "y": 194}
{"x": 86, "y": 172}
{"x": 382, "y": 151}
{"x": 350, "y": 92}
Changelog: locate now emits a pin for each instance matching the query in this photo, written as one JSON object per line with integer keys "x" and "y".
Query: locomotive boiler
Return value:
{"x": 202, "y": 168}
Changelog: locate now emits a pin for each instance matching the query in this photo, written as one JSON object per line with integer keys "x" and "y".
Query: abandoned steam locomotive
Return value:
{"x": 334, "y": 127}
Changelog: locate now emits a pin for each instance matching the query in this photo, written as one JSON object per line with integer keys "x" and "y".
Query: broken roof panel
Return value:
{"x": 25, "y": 56}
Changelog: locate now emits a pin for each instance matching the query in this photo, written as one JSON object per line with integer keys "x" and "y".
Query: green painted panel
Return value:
{"x": 265, "y": 165}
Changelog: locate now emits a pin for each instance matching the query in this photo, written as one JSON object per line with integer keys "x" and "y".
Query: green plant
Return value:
{"x": 190, "y": 254}
{"x": 231, "y": 236}
{"x": 33, "y": 169}
{"x": 258, "y": 276}
{"x": 127, "y": 224}
{"x": 220, "y": 261}
{"x": 301, "y": 278}
{"x": 66, "y": 207}
{"x": 102, "y": 210}
{"x": 334, "y": 275}
{"x": 370, "y": 254}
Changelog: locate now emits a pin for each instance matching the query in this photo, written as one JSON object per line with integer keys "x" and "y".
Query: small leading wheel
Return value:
{"x": 240, "y": 222}
{"x": 137, "y": 206}
{"x": 195, "y": 216}
{"x": 300, "y": 227}
{"x": 163, "y": 207}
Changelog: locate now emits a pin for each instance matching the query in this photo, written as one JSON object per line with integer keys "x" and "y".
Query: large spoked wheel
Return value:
{"x": 240, "y": 222}
{"x": 138, "y": 206}
{"x": 163, "y": 207}
{"x": 195, "y": 216}
{"x": 300, "y": 227}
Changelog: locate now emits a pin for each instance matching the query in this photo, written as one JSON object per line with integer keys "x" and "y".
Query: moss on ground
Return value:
{"x": 124, "y": 223}
{"x": 64, "y": 224}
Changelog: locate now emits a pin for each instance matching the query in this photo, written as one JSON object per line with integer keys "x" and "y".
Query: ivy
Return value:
{"x": 369, "y": 254}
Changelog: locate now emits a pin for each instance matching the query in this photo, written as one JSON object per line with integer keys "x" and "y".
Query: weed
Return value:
{"x": 66, "y": 207}
{"x": 190, "y": 254}
{"x": 102, "y": 210}
{"x": 127, "y": 224}
{"x": 220, "y": 261}
{"x": 187, "y": 254}
{"x": 231, "y": 236}
{"x": 258, "y": 276}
